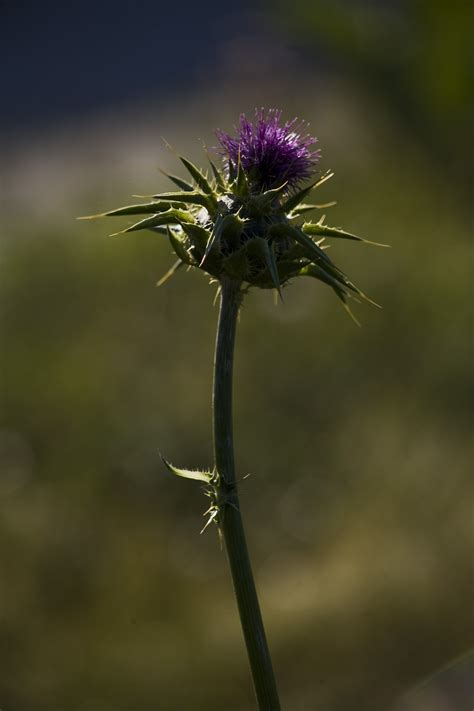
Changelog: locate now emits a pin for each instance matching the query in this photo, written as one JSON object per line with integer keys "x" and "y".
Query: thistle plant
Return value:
{"x": 243, "y": 223}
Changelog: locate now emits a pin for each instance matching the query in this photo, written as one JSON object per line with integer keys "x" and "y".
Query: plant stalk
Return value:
{"x": 230, "y": 517}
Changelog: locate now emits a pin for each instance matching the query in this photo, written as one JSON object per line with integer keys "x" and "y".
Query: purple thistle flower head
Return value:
{"x": 243, "y": 223}
{"x": 271, "y": 154}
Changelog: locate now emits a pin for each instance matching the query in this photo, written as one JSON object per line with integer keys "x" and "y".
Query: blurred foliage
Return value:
{"x": 415, "y": 55}
{"x": 359, "y": 506}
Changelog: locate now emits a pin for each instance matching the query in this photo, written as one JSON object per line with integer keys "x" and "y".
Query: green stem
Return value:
{"x": 230, "y": 519}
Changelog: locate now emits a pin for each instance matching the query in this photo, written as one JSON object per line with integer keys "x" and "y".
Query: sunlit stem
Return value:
{"x": 230, "y": 516}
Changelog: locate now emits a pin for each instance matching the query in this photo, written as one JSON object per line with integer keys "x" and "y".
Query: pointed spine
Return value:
{"x": 171, "y": 271}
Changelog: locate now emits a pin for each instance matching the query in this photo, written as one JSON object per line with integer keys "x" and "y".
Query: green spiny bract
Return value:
{"x": 222, "y": 225}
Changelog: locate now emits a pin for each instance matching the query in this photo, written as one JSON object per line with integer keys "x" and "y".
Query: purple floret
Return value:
{"x": 271, "y": 154}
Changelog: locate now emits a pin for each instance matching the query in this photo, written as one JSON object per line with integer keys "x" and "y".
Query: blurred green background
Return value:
{"x": 359, "y": 507}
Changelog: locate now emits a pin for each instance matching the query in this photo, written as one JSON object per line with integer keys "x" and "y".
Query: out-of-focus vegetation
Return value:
{"x": 359, "y": 506}
{"x": 415, "y": 56}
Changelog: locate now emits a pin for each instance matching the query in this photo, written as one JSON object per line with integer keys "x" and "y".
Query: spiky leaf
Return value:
{"x": 187, "y": 473}
{"x": 193, "y": 198}
{"x": 198, "y": 236}
{"x": 295, "y": 233}
{"x": 215, "y": 236}
{"x": 199, "y": 177}
{"x": 311, "y": 228}
{"x": 265, "y": 251}
{"x": 289, "y": 268}
{"x": 315, "y": 271}
{"x": 170, "y": 217}
{"x": 179, "y": 248}
{"x": 261, "y": 203}
{"x": 300, "y": 195}
{"x": 241, "y": 185}
{"x": 179, "y": 182}
{"x": 139, "y": 209}
{"x": 301, "y": 209}
{"x": 218, "y": 177}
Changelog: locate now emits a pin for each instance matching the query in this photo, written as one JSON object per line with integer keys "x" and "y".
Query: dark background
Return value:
{"x": 359, "y": 507}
